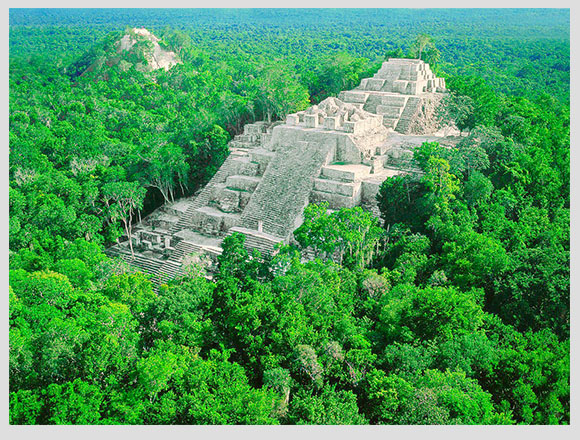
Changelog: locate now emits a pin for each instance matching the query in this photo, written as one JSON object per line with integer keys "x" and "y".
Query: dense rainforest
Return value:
{"x": 452, "y": 308}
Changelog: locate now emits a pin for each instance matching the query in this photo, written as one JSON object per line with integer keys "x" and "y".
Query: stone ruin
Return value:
{"x": 339, "y": 151}
{"x": 157, "y": 57}
{"x": 405, "y": 92}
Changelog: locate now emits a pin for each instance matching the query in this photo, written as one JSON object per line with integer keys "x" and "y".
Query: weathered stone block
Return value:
{"x": 375, "y": 84}
{"x": 249, "y": 169}
{"x": 151, "y": 237}
{"x": 335, "y": 201}
{"x": 228, "y": 222}
{"x": 331, "y": 123}
{"x": 292, "y": 119}
{"x": 355, "y": 97}
{"x": 253, "y": 129}
{"x": 394, "y": 100}
{"x": 336, "y": 187}
{"x": 229, "y": 200}
{"x": 389, "y": 111}
{"x": 244, "y": 199}
{"x": 262, "y": 158}
{"x": 346, "y": 173}
{"x": 243, "y": 183}
{"x": 369, "y": 191}
{"x": 400, "y": 86}
{"x": 311, "y": 121}
{"x": 348, "y": 126}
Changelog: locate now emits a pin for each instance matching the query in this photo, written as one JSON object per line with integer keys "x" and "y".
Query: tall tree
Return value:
{"x": 422, "y": 42}
{"x": 123, "y": 199}
{"x": 278, "y": 92}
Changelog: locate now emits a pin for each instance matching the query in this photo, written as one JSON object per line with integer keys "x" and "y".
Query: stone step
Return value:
{"x": 237, "y": 152}
{"x": 264, "y": 243}
{"x": 169, "y": 271}
{"x": 410, "y": 76}
{"x": 177, "y": 208}
{"x": 389, "y": 111}
{"x": 373, "y": 84}
{"x": 262, "y": 158}
{"x": 389, "y": 122}
{"x": 182, "y": 249}
{"x": 345, "y": 173}
{"x": 249, "y": 138}
{"x": 347, "y": 189}
{"x": 254, "y": 128}
{"x": 236, "y": 143}
{"x": 242, "y": 183}
{"x": 388, "y": 75}
{"x": 335, "y": 201}
{"x": 245, "y": 167}
{"x": 400, "y": 86}
{"x": 145, "y": 264}
{"x": 353, "y": 97}
{"x": 211, "y": 221}
{"x": 194, "y": 242}
{"x": 228, "y": 199}
{"x": 394, "y": 100}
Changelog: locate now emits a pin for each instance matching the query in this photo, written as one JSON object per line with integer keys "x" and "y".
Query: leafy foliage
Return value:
{"x": 455, "y": 312}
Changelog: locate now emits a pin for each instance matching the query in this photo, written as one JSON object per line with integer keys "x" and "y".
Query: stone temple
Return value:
{"x": 339, "y": 151}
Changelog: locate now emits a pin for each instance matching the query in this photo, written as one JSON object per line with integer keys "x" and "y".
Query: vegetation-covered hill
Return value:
{"x": 453, "y": 309}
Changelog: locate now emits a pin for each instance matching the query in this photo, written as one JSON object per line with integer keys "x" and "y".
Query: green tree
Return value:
{"x": 123, "y": 199}
{"x": 351, "y": 232}
{"x": 422, "y": 42}
{"x": 165, "y": 168}
{"x": 330, "y": 407}
{"x": 278, "y": 92}
{"x": 73, "y": 403}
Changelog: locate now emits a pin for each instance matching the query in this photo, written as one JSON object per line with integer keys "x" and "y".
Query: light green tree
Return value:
{"x": 123, "y": 199}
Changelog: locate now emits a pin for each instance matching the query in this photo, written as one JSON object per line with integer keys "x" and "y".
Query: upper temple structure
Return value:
{"x": 404, "y": 91}
{"x": 339, "y": 151}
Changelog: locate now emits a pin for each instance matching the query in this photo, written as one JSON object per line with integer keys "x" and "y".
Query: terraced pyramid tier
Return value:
{"x": 404, "y": 92}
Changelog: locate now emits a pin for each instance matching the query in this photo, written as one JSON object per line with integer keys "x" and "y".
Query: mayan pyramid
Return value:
{"x": 339, "y": 151}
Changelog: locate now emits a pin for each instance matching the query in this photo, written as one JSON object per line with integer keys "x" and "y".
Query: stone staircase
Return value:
{"x": 182, "y": 249}
{"x": 147, "y": 265}
{"x": 168, "y": 271}
{"x": 280, "y": 198}
{"x": 406, "y": 118}
{"x": 195, "y": 244}
{"x": 204, "y": 196}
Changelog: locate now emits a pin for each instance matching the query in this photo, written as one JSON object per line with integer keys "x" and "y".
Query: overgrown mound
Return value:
{"x": 135, "y": 47}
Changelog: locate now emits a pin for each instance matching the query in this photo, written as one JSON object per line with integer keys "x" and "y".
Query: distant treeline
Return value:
{"x": 516, "y": 50}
